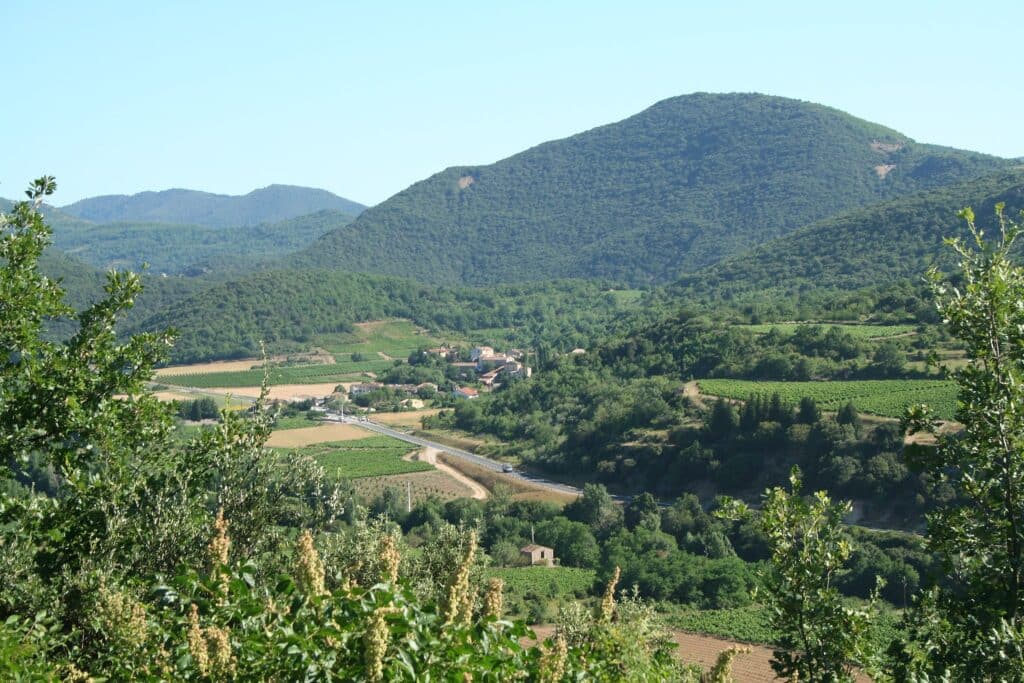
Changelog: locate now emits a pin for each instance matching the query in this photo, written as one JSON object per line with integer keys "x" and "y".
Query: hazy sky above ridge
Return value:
{"x": 363, "y": 99}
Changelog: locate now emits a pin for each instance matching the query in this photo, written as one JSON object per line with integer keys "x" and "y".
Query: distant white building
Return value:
{"x": 364, "y": 388}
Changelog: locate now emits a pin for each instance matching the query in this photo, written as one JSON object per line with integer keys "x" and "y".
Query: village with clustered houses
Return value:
{"x": 467, "y": 373}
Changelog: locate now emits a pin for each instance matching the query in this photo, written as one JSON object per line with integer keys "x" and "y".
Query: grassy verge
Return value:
{"x": 489, "y": 479}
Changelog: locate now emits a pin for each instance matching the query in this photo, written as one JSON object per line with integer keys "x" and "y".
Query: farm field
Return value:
{"x": 409, "y": 418}
{"x": 746, "y": 624}
{"x": 310, "y": 436}
{"x": 214, "y": 366}
{"x": 423, "y": 485}
{"x": 221, "y": 400}
{"x": 294, "y": 422}
{"x": 393, "y": 338}
{"x": 751, "y": 624}
{"x": 568, "y": 582}
{"x": 281, "y": 392}
{"x": 370, "y": 457}
{"x": 884, "y": 397}
{"x": 751, "y": 667}
{"x": 855, "y": 330}
{"x": 295, "y": 374}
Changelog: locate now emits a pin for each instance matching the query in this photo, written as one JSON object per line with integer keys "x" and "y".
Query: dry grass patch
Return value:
{"x": 546, "y": 496}
{"x": 466, "y": 443}
{"x": 281, "y": 392}
{"x": 308, "y": 436}
{"x": 405, "y": 419}
{"x": 489, "y": 479}
{"x": 206, "y": 368}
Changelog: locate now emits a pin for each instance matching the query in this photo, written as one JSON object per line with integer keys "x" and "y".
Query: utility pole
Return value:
{"x": 408, "y": 496}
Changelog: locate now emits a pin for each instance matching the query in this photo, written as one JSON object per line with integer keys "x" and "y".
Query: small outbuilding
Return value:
{"x": 538, "y": 555}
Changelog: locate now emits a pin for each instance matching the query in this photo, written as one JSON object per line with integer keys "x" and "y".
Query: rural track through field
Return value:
{"x": 473, "y": 458}
{"x": 429, "y": 454}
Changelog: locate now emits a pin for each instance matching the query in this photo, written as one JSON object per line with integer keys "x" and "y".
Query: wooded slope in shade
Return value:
{"x": 877, "y": 245}
{"x": 84, "y": 284}
{"x": 677, "y": 187}
{"x": 266, "y": 205}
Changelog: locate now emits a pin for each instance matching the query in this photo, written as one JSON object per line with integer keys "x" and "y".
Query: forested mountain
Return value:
{"x": 189, "y": 249}
{"x": 876, "y": 245}
{"x": 266, "y": 205}
{"x": 679, "y": 186}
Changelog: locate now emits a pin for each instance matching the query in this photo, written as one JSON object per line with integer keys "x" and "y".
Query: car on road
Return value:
{"x": 507, "y": 468}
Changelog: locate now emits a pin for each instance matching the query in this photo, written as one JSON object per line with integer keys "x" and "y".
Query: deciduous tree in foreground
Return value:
{"x": 973, "y": 628}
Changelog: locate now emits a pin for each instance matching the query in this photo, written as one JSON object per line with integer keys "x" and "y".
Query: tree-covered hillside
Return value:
{"x": 877, "y": 245}
{"x": 679, "y": 186}
{"x": 190, "y": 249}
{"x": 289, "y": 308}
{"x": 84, "y": 286}
{"x": 266, "y": 205}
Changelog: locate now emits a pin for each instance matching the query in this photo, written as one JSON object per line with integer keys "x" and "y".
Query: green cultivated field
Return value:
{"x": 886, "y": 397}
{"x": 856, "y": 331}
{"x": 297, "y": 374}
{"x": 562, "y": 581}
{"x": 394, "y": 338}
{"x": 294, "y": 422}
{"x": 371, "y": 457}
{"x": 748, "y": 624}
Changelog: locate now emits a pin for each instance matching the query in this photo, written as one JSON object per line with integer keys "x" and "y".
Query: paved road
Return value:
{"x": 473, "y": 458}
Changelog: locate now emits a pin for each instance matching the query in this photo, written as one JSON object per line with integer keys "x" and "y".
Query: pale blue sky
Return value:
{"x": 363, "y": 99}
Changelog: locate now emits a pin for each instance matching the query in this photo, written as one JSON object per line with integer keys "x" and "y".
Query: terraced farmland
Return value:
{"x": 885, "y": 397}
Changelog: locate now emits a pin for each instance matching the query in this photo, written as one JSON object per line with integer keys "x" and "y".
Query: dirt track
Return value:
{"x": 429, "y": 455}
